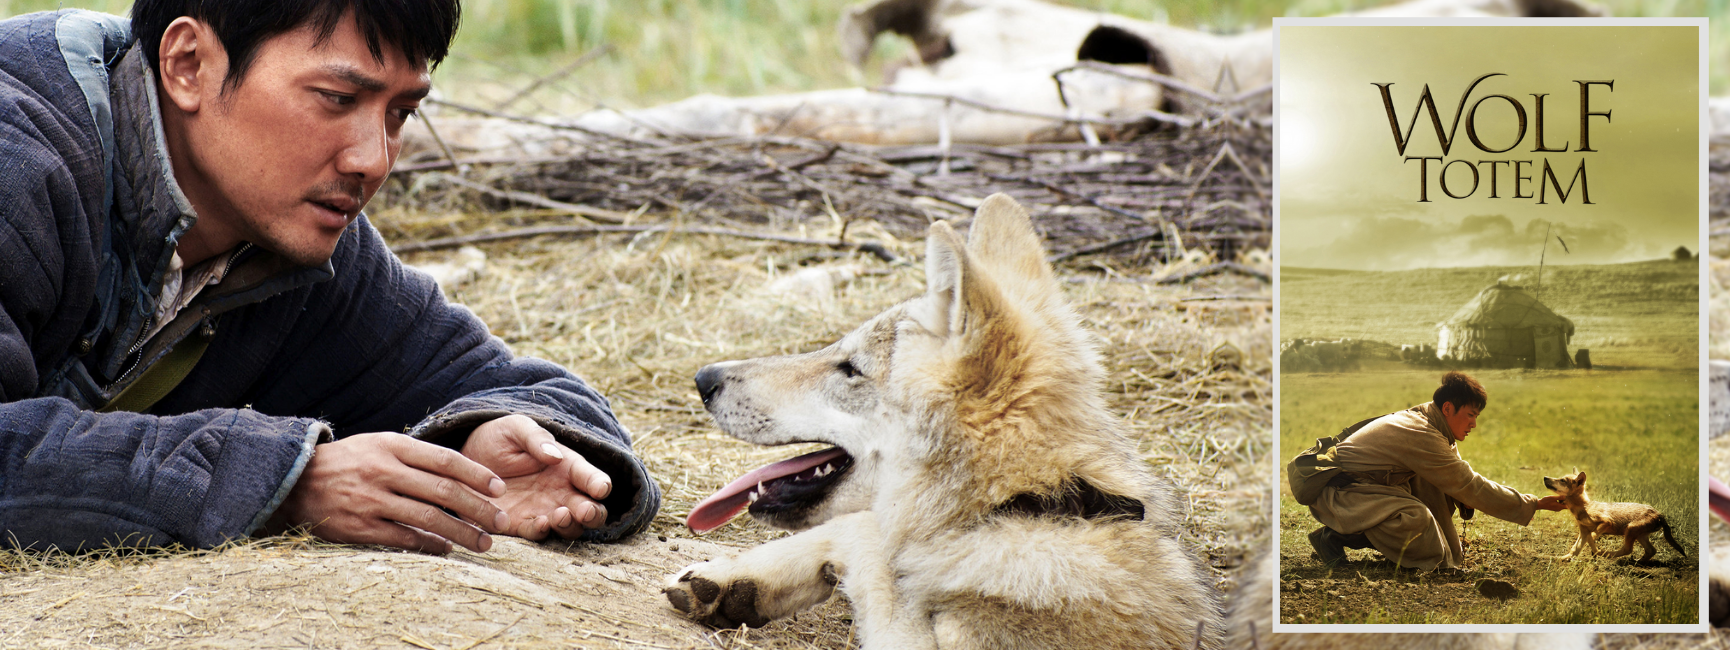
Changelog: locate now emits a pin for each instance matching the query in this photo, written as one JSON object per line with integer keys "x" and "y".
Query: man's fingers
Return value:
{"x": 565, "y": 523}
{"x": 434, "y": 492}
{"x": 431, "y": 519}
{"x": 530, "y": 436}
{"x": 534, "y": 529}
{"x": 584, "y": 514}
{"x": 389, "y": 533}
{"x": 415, "y": 539}
{"x": 438, "y": 460}
{"x": 586, "y": 478}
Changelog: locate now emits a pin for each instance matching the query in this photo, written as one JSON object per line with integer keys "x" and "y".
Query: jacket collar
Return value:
{"x": 151, "y": 211}
{"x": 1433, "y": 414}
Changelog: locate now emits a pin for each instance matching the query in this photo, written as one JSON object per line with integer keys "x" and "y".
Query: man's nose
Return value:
{"x": 368, "y": 154}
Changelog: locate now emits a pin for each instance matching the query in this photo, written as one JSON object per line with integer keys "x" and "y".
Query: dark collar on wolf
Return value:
{"x": 1077, "y": 498}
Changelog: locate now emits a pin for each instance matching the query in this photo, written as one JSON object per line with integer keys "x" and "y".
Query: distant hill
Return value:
{"x": 1637, "y": 313}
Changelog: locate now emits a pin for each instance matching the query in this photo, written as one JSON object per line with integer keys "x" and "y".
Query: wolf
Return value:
{"x": 1633, "y": 521}
{"x": 977, "y": 492}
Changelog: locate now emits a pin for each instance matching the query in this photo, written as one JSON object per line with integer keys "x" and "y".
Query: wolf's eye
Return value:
{"x": 846, "y": 368}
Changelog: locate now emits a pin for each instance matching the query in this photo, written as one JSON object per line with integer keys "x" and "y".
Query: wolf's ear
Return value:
{"x": 1581, "y": 476}
{"x": 945, "y": 271}
{"x": 1002, "y": 238}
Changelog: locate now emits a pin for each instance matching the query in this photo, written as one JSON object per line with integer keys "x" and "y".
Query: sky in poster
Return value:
{"x": 1349, "y": 199}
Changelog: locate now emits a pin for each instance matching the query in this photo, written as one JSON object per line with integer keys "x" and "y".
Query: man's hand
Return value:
{"x": 1552, "y": 502}
{"x": 388, "y": 488}
{"x": 548, "y": 487}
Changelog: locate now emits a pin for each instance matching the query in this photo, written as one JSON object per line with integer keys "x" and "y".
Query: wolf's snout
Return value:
{"x": 708, "y": 382}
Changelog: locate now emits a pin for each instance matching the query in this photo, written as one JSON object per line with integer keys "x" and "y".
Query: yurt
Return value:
{"x": 1505, "y": 327}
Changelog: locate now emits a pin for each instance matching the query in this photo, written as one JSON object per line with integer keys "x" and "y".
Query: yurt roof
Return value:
{"x": 1506, "y": 306}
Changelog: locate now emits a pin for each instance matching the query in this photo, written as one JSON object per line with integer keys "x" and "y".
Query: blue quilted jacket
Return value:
{"x": 89, "y": 213}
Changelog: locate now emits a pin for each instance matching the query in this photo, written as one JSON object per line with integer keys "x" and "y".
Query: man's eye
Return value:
{"x": 404, "y": 114}
{"x": 338, "y": 99}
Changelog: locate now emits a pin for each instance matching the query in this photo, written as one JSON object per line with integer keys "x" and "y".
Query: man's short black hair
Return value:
{"x": 421, "y": 29}
{"x": 1461, "y": 390}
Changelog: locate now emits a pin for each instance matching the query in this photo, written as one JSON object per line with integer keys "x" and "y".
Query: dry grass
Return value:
{"x": 638, "y": 318}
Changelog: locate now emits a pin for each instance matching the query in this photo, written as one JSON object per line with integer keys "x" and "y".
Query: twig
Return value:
{"x": 610, "y": 619}
{"x": 427, "y": 121}
{"x": 405, "y": 638}
{"x": 1215, "y": 268}
{"x": 495, "y": 633}
{"x": 645, "y": 644}
{"x": 1163, "y": 80}
{"x": 873, "y": 248}
{"x": 178, "y": 610}
{"x": 63, "y": 601}
{"x": 541, "y": 123}
{"x": 1089, "y": 250}
{"x": 1250, "y": 298}
{"x": 1157, "y": 116}
{"x": 1225, "y": 152}
{"x": 506, "y": 596}
{"x": 533, "y": 199}
{"x": 1090, "y": 200}
{"x": 591, "y": 55}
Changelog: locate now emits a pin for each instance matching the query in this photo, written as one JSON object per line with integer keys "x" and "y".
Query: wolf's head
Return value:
{"x": 978, "y": 393}
{"x": 1567, "y": 485}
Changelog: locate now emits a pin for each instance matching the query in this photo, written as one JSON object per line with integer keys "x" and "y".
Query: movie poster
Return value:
{"x": 1521, "y": 203}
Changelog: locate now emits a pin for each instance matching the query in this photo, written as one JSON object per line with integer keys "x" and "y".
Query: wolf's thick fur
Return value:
{"x": 1633, "y": 521}
{"x": 991, "y": 500}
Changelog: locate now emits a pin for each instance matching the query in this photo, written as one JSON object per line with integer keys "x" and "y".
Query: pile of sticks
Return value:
{"x": 1139, "y": 193}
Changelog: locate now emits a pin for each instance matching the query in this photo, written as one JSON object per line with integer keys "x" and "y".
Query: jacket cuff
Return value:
{"x": 635, "y": 497}
{"x": 316, "y": 433}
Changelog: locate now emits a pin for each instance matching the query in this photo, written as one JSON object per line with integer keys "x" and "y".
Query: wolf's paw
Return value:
{"x": 720, "y": 603}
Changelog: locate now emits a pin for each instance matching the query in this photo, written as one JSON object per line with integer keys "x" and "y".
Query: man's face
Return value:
{"x": 288, "y": 158}
{"x": 1461, "y": 420}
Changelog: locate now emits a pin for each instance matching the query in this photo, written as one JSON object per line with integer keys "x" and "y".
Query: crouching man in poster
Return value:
{"x": 1402, "y": 479}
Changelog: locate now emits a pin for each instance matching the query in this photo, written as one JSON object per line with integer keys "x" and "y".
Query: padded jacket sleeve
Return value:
{"x": 378, "y": 348}
{"x": 71, "y": 478}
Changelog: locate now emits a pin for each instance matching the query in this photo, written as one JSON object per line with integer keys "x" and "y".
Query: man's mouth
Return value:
{"x": 337, "y": 208}
{"x": 782, "y": 486}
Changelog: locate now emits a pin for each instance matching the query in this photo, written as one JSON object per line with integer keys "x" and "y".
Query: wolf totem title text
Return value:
{"x": 1521, "y": 171}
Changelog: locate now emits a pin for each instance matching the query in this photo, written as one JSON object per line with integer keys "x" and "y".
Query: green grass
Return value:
{"x": 1640, "y": 314}
{"x": 664, "y": 50}
{"x": 1633, "y": 432}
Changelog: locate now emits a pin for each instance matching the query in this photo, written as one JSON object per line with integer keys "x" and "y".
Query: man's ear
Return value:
{"x": 191, "y": 63}
{"x": 1448, "y": 409}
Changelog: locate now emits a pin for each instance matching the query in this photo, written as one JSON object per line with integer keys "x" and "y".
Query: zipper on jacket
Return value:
{"x": 135, "y": 353}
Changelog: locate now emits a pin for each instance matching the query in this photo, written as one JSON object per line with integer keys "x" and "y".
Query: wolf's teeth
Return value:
{"x": 753, "y": 497}
{"x": 828, "y": 469}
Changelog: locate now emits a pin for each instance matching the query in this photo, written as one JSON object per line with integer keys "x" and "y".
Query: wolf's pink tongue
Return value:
{"x": 726, "y": 504}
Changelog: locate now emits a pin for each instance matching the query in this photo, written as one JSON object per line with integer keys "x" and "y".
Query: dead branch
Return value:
{"x": 1141, "y": 116}
{"x": 1211, "y": 269}
{"x": 1086, "y": 200}
{"x": 555, "y": 75}
{"x": 879, "y": 250}
{"x": 531, "y": 199}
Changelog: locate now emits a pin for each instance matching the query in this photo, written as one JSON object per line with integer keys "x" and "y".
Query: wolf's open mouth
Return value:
{"x": 785, "y": 485}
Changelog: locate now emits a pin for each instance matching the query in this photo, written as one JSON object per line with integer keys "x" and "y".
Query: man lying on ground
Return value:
{"x": 202, "y": 337}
